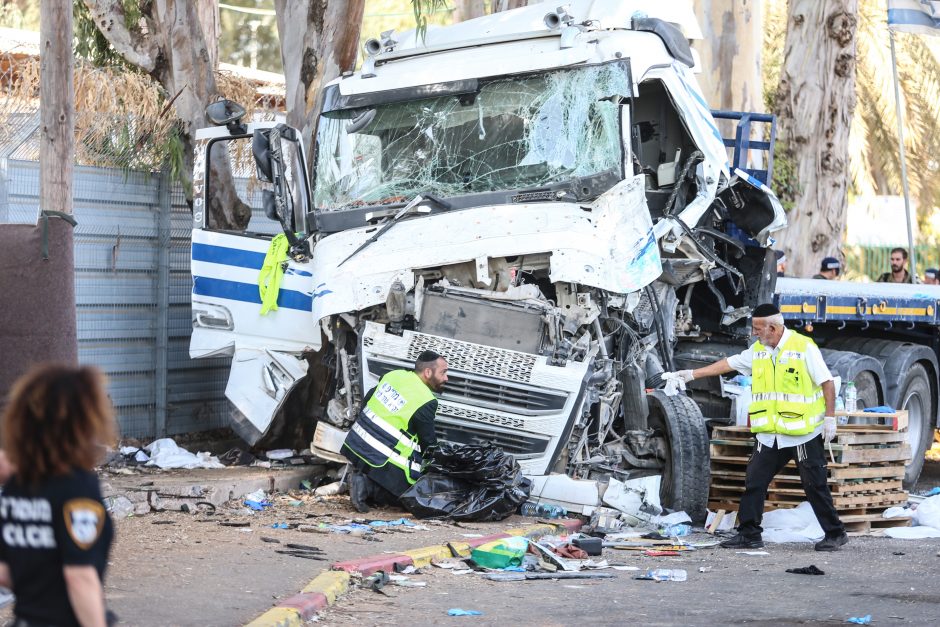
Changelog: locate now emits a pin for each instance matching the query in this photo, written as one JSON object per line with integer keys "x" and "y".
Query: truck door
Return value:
{"x": 267, "y": 349}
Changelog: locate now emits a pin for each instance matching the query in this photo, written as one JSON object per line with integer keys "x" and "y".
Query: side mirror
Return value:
{"x": 225, "y": 112}
{"x": 269, "y": 204}
{"x": 261, "y": 149}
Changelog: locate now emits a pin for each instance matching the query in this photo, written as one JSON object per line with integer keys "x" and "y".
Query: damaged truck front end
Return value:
{"x": 554, "y": 230}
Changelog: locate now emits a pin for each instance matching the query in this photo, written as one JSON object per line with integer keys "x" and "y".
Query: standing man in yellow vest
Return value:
{"x": 394, "y": 427}
{"x": 791, "y": 414}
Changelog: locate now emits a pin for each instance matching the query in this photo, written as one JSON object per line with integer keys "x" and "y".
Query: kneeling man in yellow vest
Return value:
{"x": 394, "y": 428}
{"x": 791, "y": 414}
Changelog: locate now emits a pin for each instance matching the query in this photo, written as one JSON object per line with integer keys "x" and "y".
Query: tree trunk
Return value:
{"x": 172, "y": 49}
{"x": 815, "y": 104}
{"x": 208, "y": 12}
{"x": 468, "y": 9}
{"x": 730, "y": 53}
{"x": 319, "y": 41}
{"x": 37, "y": 269}
{"x": 57, "y": 110}
{"x": 506, "y": 5}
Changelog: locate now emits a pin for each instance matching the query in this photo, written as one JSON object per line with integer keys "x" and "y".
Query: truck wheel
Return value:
{"x": 915, "y": 397}
{"x": 686, "y": 473}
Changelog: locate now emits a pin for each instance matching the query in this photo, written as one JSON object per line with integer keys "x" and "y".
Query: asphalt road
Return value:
{"x": 897, "y": 582}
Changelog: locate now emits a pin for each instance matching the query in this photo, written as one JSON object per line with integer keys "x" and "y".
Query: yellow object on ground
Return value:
{"x": 272, "y": 271}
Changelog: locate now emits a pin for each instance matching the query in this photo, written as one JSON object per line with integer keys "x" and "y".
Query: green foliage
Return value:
{"x": 421, "y": 10}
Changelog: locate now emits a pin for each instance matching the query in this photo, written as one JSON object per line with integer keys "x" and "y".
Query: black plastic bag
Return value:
{"x": 468, "y": 482}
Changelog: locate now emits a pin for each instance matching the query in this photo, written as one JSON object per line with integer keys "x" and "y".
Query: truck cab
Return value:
{"x": 541, "y": 196}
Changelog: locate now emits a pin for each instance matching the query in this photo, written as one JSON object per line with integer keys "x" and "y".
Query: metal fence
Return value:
{"x": 132, "y": 292}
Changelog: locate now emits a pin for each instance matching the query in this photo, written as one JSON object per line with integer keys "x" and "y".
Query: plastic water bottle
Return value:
{"x": 542, "y": 510}
{"x": 675, "y": 531}
{"x": 665, "y": 574}
{"x": 851, "y": 397}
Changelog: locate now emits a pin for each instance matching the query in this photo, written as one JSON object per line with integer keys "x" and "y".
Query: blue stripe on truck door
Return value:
{"x": 236, "y": 290}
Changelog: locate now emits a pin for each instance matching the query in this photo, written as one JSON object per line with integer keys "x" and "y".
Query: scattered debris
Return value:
{"x": 459, "y": 612}
{"x": 752, "y": 552}
{"x": 376, "y": 581}
{"x": 272, "y": 540}
{"x": 501, "y": 553}
{"x": 704, "y": 569}
{"x": 164, "y": 453}
{"x": 864, "y": 620}
{"x": 406, "y": 582}
{"x": 540, "y": 576}
{"x": 664, "y": 574}
{"x": 806, "y": 570}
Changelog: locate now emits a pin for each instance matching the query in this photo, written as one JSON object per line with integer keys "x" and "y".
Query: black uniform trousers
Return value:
{"x": 765, "y": 463}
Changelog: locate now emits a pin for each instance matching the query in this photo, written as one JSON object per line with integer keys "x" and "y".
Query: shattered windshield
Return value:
{"x": 512, "y": 133}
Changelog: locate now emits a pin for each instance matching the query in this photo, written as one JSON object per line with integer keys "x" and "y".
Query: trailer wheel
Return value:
{"x": 686, "y": 473}
{"x": 915, "y": 397}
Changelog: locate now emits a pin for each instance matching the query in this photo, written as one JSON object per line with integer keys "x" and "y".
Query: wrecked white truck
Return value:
{"x": 541, "y": 196}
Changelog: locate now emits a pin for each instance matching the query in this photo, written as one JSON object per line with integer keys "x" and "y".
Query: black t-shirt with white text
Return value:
{"x": 60, "y": 523}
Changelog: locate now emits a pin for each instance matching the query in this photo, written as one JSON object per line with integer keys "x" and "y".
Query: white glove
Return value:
{"x": 675, "y": 381}
{"x": 683, "y": 375}
{"x": 829, "y": 428}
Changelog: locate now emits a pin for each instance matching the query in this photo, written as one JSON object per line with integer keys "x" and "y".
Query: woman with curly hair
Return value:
{"x": 55, "y": 533}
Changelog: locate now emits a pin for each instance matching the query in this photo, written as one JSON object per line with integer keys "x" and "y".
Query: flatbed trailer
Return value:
{"x": 883, "y": 336}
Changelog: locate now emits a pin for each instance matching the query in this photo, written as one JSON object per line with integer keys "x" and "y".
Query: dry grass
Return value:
{"x": 122, "y": 118}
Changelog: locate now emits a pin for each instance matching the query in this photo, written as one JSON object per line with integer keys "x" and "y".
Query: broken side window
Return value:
{"x": 513, "y": 133}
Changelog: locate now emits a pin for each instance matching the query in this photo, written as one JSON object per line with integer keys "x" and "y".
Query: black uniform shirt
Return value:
{"x": 61, "y": 523}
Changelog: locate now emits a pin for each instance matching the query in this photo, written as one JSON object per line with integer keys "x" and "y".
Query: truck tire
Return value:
{"x": 915, "y": 397}
{"x": 866, "y": 372}
{"x": 686, "y": 475}
{"x": 904, "y": 363}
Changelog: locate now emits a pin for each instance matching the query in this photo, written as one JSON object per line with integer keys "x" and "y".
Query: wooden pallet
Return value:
{"x": 865, "y": 479}
{"x": 897, "y": 421}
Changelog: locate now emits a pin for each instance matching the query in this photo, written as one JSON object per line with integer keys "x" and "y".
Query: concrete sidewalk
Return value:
{"x": 328, "y": 586}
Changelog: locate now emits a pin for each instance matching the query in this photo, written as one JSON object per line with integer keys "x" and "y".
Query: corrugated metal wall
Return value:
{"x": 133, "y": 283}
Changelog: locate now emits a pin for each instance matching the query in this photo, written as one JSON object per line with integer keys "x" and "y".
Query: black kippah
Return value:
{"x": 765, "y": 311}
{"x": 427, "y": 356}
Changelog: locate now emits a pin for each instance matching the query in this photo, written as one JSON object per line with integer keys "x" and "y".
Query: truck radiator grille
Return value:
{"x": 475, "y": 358}
{"x": 486, "y": 393}
{"x": 517, "y": 444}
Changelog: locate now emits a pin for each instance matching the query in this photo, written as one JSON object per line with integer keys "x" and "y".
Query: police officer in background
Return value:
{"x": 394, "y": 428}
{"x": 791, "y": 412}
{"x": 931, "y": 276}
{"x": 55, "y": 533}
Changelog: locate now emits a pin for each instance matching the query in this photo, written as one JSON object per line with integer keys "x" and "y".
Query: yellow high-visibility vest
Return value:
{"x": 784, "y": 398}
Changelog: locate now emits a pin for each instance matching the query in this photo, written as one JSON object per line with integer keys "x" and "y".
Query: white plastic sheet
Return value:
{"x": 912, "y": 533}
{"x": 927, "y": 513}
{"x": 165, "y": 453}
{"x": 792, "y": 525}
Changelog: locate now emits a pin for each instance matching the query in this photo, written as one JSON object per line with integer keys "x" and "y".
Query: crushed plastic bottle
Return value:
{"x": 676, "y": 531}
{"x": 542, "y": 510}
{"x": 664, "y": 574}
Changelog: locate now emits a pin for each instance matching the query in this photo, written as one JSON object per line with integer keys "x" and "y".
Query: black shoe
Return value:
{"x": 359, "y": 492}
{"x": 742, "y": 542}
{"x": 832, "y": 544}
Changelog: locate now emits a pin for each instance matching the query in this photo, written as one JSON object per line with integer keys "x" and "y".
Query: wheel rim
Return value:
{"x": 914, "y": 404}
